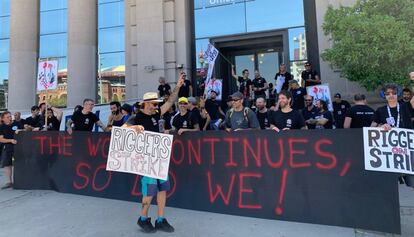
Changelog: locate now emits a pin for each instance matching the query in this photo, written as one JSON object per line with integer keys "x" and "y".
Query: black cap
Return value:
{"x": 337, "y": 95}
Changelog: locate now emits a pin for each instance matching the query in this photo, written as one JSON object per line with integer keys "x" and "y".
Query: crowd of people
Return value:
{"x": 279, "y": 106}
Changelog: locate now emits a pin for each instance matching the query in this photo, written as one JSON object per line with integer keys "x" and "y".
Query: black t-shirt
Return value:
{"x": 339, "y": 112}
{"x": 7, "y": 132}
{"x": 292, "y": 119}
{"x": 212, "y": 108}
{"x": 84, "y": 122}
{"x": 244, "y": 86}
{"x": 263, "y": 119}
{"x": 34, "y": 122}
{"x": 184, "y": 121}
{"x": 311, "y": 74}
{"x": 298, "y": 98}
{"x": 361, "y": 115}
{"x": 185, "y": 89}
{"x": 149, "y": 122}
{"x": 310, "y": 114}
{"x": 327, "y": 115}
{"x": 381, "y": 115}
{"x": 168, "y": 117}
{"x": 53, "y": 124}
{"x": 197, "y": 114}
{"x": 19, "y": 124}
{"x": 288, "y": 77}
{"x": 163, "y": 89}
{"x": 259, "y": 83}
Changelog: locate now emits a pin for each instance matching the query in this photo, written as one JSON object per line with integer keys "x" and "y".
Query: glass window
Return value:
{"x": 109, "y": 60}
{"x": 4, "y": 50}
{"x": 47, "y": 5}
{"x": 53, "y": 45}
{"x": 4, "y": 7}
{"x": 53, "y": 22}
{"x": 223, "y": 20}
{"x": 106, "y": 1}
{"x": 111, "y": 14}
{"x": 4, "y": 27}
{"x": 4, "y": 71}
{"x": 297, "y": 44}
{"x": 274, "y": 14}
{"x": 111, "y": 40}
{"x": 201, "y": 46}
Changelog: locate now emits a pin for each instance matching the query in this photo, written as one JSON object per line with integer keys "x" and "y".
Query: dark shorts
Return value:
{"x": 6, "y": 158}
{"x": 151, "y": 186}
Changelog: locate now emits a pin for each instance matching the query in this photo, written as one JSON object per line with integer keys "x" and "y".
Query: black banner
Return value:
{"x": 305, "y": 176}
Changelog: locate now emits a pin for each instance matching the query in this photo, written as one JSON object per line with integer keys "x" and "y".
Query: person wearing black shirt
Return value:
{"x": 202, "y": 116}
{"x": 286, "y": 118}
{"x": 282, "y": 79}
{"x": 7, "y": 138}
{"x": 18, "y": 122}
{"x": 185, "y": 121}
{"x": 262, "y": 113}
{"x": 259, "y": 85}
{"x": 245, "y": 84}
{"x": 85, "y": 119}
{"x": 214, "y": 110}
{"x": 148, "y": 119}
{"x": 298, "y": 94}
{"x": 34, "y": 121}
{"x": 163, "y": 88}
{"x": 324, "y": 119}
{"x": 309, "y": 112}
{"x": 340, "y": 107}
{"x": 310, "y": 77}
{"x": 394, "y": 115}
{"x": 54, "y": 117}
{"x": 186, "y": 90}
{"x": 360, "y": 115}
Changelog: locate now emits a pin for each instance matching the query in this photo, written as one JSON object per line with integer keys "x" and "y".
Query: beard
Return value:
{"x": 115, "y": 112}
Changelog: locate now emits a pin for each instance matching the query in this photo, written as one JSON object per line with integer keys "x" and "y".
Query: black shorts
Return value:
{"x": 6, "y": 158}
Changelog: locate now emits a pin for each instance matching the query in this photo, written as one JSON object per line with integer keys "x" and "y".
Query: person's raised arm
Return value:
{"x": 173, "y": 97}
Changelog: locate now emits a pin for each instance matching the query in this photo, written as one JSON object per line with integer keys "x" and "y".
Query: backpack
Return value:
{"x": 245, "y": 113}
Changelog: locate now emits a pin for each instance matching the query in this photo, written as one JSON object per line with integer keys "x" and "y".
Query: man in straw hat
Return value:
{"x": 148, "y": 118}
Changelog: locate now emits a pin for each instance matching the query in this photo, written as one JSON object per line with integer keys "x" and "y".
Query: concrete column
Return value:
{"x": 157, "y": 39}
{"x": 24, "y": 36}
{"x": 82, "y": 52}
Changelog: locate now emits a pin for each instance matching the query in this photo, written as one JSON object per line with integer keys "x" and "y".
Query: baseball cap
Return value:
{"x": 183, "y": 100}
{"x": 237, "y": 95}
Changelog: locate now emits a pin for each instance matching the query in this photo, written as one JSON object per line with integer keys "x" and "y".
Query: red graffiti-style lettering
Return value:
{"x": 256, "y": 155}
{"x": 54, "y": 145}
{"x": 212, "y": 142}
{"x": 329, "y": 156}
{"x": 272, "y": 164}
{"x": 292, "y": 152}
{"x": 93, "y": 147}
{"x": 134, "y": 191}
{"x": 177, "y": 144}
{"x": 345, "y": 169}
{"x": 108, "y": 179}
{"x": 243, "y": 190}
{"x": 193, "y": 152}
{"x": 173, "y": 183}
{"x": 84, "y": 176}
{"x": 230, "y": 141}
{"x": 279, "y": 208}
{"x": 66, "y": 142}
{"x": 41, "y": 140}
{"x": 219, "y": 190}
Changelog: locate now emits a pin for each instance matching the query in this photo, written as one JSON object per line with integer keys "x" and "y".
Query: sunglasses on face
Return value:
{"x": 235, "y": 100}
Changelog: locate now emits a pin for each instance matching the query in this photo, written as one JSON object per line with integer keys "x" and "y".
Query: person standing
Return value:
{"x": 282, "y": 79}
{"x": 116, "y": 117}
{"x": 18, "y": 122}
{"x": 54, "y": 117}
{"x": 213, "y": 108}
{"x": 310, "y": 77}
{"x": 186, "y": 90}
{"x": 185, "y": 120}
{"x": 85, "y": 119}
{"x": 262, "y": 113}
{"x": 360, "y": 115}
{"x": 8, "y": 141}
{"x": 245, "y": 84}
{"x": 163, "y": 88}
{"x": 309, "y": 112}
{"x": 286, "y": 118}
{"x": 259, "y": 85}
{"x": 298, "y": 94}
{"x": 148, "y": 118}
{"x": 33, "y": 123}
{"x": 324, "y": 119}
{"x": 340, "y": 107}
{"x": 240, "y": 117}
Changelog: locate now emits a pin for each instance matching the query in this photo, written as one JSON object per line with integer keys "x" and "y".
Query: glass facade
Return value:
{"x": 53, "y": 41}
{"x": 4, "y": 51}
{"x": 111, "y": 45}
{"x": 218, "y": 18}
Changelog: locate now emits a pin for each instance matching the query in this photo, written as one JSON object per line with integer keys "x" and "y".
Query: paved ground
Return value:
{"x": 47, "y": 213}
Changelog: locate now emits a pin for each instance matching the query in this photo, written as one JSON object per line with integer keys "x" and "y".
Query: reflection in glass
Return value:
{"x": 53, "y": 46}
{"x": 4, "y": 71}
{"x": 4, "y": 7}
{"x": 297, "y": 44}
{"x": 4, "y": 27}
{"x": 47, "y": 5}
{"x": 111, "y": 56}
{"x": 296, "y": 69}
{"x": 4, "y": 50}
{"x": 268, "y": 65}
{"x": 53, "y": 22}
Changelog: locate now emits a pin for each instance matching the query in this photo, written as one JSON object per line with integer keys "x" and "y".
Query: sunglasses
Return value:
{"x": 182, "y": 103}
{"x": 235, "y": 100}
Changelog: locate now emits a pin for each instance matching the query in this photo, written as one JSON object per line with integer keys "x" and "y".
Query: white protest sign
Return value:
{"x": 214, "y": 85}
{"x": 211, "y": 56}
{"x": 47, "y": 75}
{"x": 147, "y": 154}
{"x": 389, "y": 151}
{"x": 320, "y": 92}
